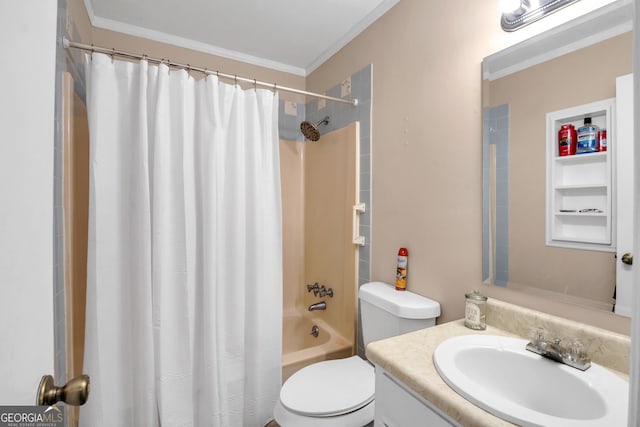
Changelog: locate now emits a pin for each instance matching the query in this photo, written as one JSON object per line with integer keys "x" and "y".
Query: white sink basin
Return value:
{"x": 497, "y": 374}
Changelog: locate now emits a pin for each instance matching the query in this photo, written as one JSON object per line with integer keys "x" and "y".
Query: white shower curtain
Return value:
{"x": 184, "y": 289}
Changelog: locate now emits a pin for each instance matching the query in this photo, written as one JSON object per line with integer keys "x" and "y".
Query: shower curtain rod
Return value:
{"x": 114, "y": 52}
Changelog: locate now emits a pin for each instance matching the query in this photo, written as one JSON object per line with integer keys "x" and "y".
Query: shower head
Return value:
{"x": 310, "y": 130}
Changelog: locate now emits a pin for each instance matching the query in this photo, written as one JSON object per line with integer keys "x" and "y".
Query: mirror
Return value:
{"x": 572, "y": 65}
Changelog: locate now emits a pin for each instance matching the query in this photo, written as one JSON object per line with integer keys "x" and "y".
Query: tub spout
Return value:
{"x": 318, "y": 306}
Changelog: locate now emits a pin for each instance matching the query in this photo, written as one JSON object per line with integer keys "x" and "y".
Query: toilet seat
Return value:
{"x": 362, "y": 417}
{"x": 329, "y": 388}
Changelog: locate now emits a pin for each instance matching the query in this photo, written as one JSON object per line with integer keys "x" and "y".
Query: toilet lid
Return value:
{"x": 332, "y": 387}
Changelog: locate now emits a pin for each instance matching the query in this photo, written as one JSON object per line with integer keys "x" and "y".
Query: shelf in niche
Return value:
{"x": 584, "y": 228}
{"x": 587, "y": 157}
{"x": 580, "y": 181}
{"x": 580, "y": 239}
{"x": 579, "y": 214}
{"x": 582, "y": 187}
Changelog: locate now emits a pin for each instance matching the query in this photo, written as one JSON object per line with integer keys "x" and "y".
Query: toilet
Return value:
{"x": 340, "y": 393}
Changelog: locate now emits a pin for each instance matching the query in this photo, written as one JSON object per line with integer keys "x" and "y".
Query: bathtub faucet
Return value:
{"x": 324, "y": 291}
{"x": 318, "y": 306}
{"x": 320, "y": 290}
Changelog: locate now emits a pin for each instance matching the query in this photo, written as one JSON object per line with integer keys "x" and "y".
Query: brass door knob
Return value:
{"x": 627, "y": 258}
{"x": 75, "y": 392}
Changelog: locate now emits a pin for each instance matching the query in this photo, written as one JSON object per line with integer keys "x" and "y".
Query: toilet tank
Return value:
{"x": 386, "y": 312}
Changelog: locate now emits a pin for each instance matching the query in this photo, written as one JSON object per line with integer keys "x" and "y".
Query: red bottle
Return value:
{"x": 567, "y": 140}
{"x": 401, "y": 271}
{"x": 602, "y": 140}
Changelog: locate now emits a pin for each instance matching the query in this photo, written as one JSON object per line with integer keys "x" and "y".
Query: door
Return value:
{"x": 624, "y": 174}
{"x": 28, "y": 33}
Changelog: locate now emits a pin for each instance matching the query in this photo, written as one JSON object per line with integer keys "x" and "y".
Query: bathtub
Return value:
{"x": 300, "y": 348}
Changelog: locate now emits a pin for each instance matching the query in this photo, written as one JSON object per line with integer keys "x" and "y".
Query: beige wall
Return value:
{"x": 79, "y": 24}
{"x": 426, "y": 138}
{"x": 426, "y": 146}
{"x": 76, "y": 226}
{"x": 110, "y": 39}
{"x": 531, "y": 94}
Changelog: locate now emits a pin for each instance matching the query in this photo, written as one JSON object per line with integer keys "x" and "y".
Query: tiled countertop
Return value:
{"x": 409, "y": 357}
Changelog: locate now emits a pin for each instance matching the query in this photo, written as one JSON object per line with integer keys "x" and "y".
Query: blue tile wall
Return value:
{"x": 341, "y": 115}
{"x": 496, "y": 132}
{"x": 486, "y": 219}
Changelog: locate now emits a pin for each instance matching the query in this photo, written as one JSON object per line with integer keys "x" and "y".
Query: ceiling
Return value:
{"x": 294, "y": 36}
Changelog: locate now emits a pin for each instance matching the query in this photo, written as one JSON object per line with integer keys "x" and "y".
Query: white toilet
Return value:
{"x": 340, "y": 393}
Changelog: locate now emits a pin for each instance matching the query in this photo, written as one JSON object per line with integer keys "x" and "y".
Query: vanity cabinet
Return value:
{"x": 398, "y": 406}
{"x": 580, "y": 212}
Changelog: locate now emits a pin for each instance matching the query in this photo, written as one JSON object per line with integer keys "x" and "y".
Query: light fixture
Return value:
{"x": 507, "y": 6}
{"x": 518, "y": 13}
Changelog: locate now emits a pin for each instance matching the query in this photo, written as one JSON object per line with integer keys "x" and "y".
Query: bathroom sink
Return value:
{"x": 497, "y": 374}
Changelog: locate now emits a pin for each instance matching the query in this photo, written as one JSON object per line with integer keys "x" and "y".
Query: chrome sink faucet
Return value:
{"x": 573, "y": 355}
